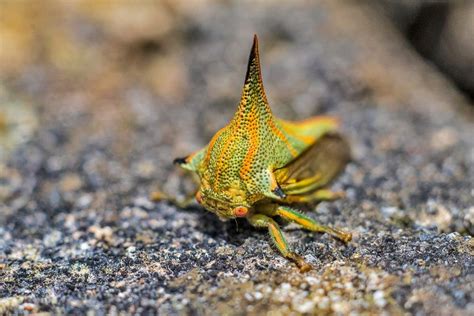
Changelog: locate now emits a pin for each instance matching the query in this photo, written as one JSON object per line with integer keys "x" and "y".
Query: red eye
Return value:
{"x": 241, "y": 211}
{"x": 199, "y": 197}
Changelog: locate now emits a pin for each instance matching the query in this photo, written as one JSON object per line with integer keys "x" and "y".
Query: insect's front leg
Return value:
{"x": 158, "y": 196}
{"x": 188, "y": 200}
{"x": 310, "y": 224}
{"x": 263, "y": 221}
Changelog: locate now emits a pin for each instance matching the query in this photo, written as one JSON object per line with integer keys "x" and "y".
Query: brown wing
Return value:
{"x": 316, "y": 166}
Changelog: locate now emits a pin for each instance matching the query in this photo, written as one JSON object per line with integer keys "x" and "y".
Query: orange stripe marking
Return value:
{"x": 281, "y": 136}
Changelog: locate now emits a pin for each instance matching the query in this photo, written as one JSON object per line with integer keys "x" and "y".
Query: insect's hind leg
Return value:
{"x": 310, "y": 224}
{"x": 263, "y": 221}
{"x": 316, "y": 196}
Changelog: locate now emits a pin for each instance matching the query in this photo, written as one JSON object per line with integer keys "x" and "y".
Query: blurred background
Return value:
{"x": 107, "y": 58}
{"x": 97, "y": 97}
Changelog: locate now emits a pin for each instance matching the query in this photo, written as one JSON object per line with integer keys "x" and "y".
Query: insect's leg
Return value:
{"x": 310, "y": 224}
{"x": 158, "y": 196}
{"x": 318, "y": 195}
{"x": 188, "y": 200}
{"x": 263, "y": 221}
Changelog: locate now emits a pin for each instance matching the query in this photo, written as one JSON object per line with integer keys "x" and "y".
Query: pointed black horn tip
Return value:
{"x": 254, "y": 51}
{"x": 254, "y": 55}
{"x": 179, "y": 161}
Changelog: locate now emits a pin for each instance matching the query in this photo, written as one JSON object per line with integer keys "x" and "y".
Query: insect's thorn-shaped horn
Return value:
{"x": 253, "y": 94}
{"x": 253, "y": 68}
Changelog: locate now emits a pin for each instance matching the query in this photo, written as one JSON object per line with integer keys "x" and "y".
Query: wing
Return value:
{"x": 303, "y": 134}
{"x": 316, "y": 167}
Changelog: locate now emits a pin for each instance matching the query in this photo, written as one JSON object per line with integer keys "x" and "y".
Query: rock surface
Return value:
{"x": 116, "y": 103}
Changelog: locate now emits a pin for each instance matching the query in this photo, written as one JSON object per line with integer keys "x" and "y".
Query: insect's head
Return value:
{"x": 224, "y": 206}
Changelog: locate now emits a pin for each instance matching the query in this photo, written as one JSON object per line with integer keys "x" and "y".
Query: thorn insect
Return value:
{"x": 258, "y": 166}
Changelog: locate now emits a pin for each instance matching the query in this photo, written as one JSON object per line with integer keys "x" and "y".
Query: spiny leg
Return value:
{"x": 310, "y": 224}
{"x": 263, "y": 221}
{"x": 318, "y": 195}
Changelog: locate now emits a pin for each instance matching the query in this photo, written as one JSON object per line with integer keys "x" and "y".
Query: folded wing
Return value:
{"x": 316, "y": 167}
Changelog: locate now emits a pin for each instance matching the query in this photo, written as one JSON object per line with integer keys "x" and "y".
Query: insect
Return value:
{"x": 259, "y": 166}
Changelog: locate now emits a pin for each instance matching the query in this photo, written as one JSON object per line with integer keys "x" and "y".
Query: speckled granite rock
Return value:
{"x": 79, "y": 235}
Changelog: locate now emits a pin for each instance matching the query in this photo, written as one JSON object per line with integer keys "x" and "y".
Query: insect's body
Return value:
{"x": 259, "y": 162}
